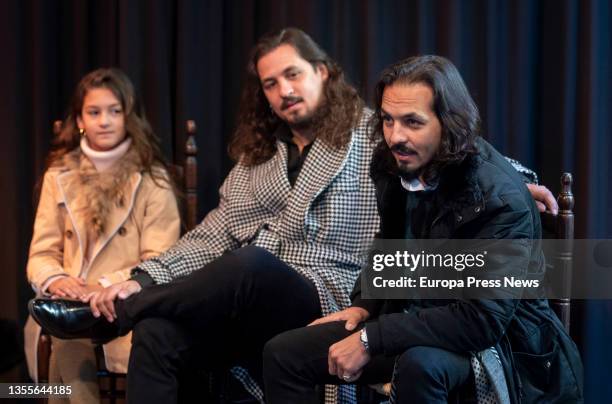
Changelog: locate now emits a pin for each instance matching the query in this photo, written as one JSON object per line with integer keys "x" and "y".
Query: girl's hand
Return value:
{"x": 67, "y": 286}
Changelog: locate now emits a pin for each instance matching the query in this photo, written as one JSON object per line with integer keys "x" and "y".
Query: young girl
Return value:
{"x": 106, "y": 204}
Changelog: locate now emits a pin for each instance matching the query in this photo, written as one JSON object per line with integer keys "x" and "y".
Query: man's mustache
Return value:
{"x": 289, "y": 101}
{"x": 402, "y": 148}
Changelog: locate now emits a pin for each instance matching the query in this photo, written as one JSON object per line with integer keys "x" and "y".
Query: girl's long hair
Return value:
{"x": 144, "y": 140}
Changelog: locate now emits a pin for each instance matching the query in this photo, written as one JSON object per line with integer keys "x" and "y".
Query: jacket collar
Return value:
{"x": 323, "y": 163}
{"x": 271, "y": 185}
{"x": 458, "y": 197}
{"x": 459, "y": 192}
{"x": 270, "y": 182}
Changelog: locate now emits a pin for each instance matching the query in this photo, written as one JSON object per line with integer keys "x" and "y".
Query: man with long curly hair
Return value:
{"x": 285, "y": 245}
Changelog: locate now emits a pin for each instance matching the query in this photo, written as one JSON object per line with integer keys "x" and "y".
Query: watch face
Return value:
{"x": 363, "y": 337}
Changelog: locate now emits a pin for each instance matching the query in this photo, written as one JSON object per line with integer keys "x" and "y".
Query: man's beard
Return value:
{"x": 310, "y": 121}
{"x": 302, "y": 123}
{"x": 403, "y": 170}
{"x": 408, "y": 174}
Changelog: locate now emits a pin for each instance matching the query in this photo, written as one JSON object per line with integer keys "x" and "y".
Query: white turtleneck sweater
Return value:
{"x": 103, "y": 160}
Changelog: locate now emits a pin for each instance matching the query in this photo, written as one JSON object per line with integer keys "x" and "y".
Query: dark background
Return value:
{"x": 539, "y": 70}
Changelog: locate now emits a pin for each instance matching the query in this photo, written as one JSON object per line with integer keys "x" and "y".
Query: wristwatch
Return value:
{"x": 363, "y": 337}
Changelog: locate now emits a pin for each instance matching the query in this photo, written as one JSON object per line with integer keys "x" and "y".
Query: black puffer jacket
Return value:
{"x": 483, "y": 198}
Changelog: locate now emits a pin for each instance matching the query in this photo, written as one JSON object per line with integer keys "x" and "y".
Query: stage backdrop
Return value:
{"x": 539, "y": 70}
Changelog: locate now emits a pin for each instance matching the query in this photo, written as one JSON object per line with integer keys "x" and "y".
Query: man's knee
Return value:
{"x": 425, "y": 373}
{"x": 282, "y": 351}
{"x": 275, "y": 350}
{"x": 251, "y": 260}
{"x": 420, "y": 363}
{"x": 252, "y": 253}
{"x": 259, "y": 266}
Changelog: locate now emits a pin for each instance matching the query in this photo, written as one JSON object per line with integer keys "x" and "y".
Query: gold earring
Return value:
{"x": 82, "y": 132}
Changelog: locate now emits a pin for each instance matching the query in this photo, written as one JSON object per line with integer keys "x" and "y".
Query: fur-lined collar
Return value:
{"x": 99, "y": 192}
{"x": 457, "y": 191}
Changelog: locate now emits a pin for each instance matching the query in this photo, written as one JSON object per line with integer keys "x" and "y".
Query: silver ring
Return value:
{"x": 346, "y": 378}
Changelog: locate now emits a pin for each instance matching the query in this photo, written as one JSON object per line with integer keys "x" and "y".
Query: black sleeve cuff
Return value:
{"x": 143, "y": 278}
{"x": 374, "y": 340}
{"x": 372, "y": 306}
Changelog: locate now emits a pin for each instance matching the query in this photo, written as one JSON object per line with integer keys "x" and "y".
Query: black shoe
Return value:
{"x": 71, "y": 319}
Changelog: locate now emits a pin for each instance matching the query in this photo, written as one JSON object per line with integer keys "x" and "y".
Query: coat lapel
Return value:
{"x": 119, "y": 216}
{"x": 270, "y": 183}
{"x": 70, "y": 198}
{"x": 322, "y": 165}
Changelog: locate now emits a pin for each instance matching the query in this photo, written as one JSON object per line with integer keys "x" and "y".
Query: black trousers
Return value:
{"x": 222, "y": 314}
{"x": 295, "y": 362}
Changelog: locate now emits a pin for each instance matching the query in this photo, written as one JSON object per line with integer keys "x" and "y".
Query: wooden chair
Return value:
{"x": 558, "y": 227}
{"x": 113, "y": 385}
{"x": 186, "y": 176}
{"x": 561, "y": 227}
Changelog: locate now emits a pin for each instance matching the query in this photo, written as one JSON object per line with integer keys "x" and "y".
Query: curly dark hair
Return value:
{"x": 253, "y": 141}
{"x": 452, "y": 104}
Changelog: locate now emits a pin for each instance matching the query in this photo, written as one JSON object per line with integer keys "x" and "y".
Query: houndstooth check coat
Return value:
{"x": 321, "y": 227}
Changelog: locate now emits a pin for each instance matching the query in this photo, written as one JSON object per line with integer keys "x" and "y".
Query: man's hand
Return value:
{"x": 103, "y": 302}
{"x": 347, "y": 358}
{"x": 67, "y": 286}
{"x": 352, "y": 316}
{"x": 544, "y": 199}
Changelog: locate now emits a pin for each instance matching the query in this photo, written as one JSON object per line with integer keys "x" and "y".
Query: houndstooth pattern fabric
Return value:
{"x": 393, "y": 392}
{"x": 530, "y": 176}
{"x": 490, "y": 379}
{"x": 495, "y": 376}
{"x": 484, "y": 390}
{"x": 248, "y": 383}
{"x": 322, "y": 227}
